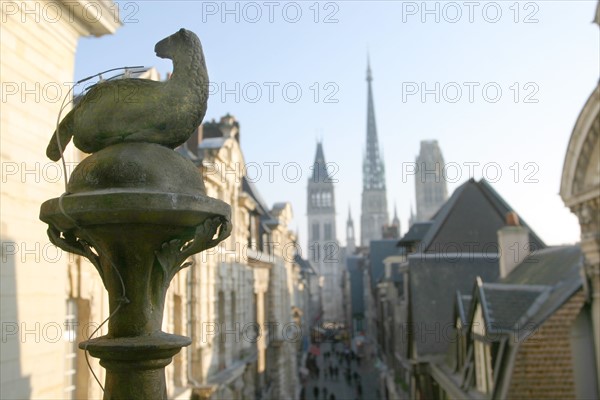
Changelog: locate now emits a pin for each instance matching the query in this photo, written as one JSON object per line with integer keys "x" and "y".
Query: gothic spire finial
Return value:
{"x": 373, "y": 168}
{"x": 369, "y": 75}
{"x": 396, "y": 220}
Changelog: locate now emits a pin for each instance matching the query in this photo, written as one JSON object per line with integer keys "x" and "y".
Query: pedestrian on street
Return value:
{"x": 316, "y": 392}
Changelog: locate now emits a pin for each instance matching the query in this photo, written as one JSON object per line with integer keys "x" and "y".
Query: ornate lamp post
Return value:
{"x": 137, "y": 210}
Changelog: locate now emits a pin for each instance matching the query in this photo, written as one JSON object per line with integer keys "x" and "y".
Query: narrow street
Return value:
{"x": 339, "y": 376}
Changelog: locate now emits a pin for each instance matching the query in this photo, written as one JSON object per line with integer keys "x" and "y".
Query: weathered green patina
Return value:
{"x": 141, "y": 110}
{"x": 137, "y": 210}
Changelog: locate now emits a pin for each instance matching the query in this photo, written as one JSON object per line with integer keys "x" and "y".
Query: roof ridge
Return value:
{"x": 439, "y": 218}
{"x": 515, "y": 286}
{"x": 497, "y": 200}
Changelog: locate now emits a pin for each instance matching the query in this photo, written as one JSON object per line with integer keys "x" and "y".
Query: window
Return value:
{"x": 222, "y": 336}
{"x": 326, "y": 199}
{"x": 253, "y": 232}
{"x": 178, "y": 367}
{"x": 234, "y": 325}
{"x": 330, "y": 250}
{"x": 328, "y": 234}
{"x": 255, "y": 329}
{"x": 70, "y": 338}
{"x": 315, "y": 249}
{"x": 315, "y": 231}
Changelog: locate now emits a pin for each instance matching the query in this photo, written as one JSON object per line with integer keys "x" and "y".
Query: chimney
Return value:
{"x": 229, "y": 126}
{"x": 513, "y": 242}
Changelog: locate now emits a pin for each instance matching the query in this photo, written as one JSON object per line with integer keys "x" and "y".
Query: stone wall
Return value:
{"x": 38, "y": 44}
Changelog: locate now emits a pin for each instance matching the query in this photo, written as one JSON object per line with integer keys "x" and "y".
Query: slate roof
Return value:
{"x": 463, "y": 305}
{"x": 305, "y": 265}
{"x": 558, "y": 267}
{"x": 415, "y": 234}
{"x": 469, "y": 221}
{"x": 504, "y": 305}
{"x": 279, "y": 206}
{"x": 547, "y": 267}
{"x": 249, "y": 188}
{"x": 212, "y": 143}
{"x": 187, "y": 153}
{"x": 379, "y": 250}
{"x": 531, "y": 292}
{"x": 434, "y": 280}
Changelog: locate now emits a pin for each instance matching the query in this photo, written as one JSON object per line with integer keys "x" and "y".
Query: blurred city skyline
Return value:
{"x": 498, "y": 84}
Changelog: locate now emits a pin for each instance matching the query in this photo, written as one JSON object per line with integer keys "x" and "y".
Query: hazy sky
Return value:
{"x": 498, "y": 84}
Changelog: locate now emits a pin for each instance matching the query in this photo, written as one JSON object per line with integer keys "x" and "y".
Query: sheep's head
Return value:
{"x": 171, "y": 45}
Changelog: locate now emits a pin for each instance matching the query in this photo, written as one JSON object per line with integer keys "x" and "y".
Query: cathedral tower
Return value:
{"x": 350, "y": 237}
{"x": 323, "y": 247}
{"x": 430, "y": 185}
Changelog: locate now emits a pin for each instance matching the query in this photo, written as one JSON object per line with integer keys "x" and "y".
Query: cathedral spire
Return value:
{"x": 350, "y": 238}
{"x": 369, "y": 75}
{"x": 319, "y": 170}
{"x": 374, "y": 216}
{"x": 396, "y": 220}
{"x": 373, "y": 169}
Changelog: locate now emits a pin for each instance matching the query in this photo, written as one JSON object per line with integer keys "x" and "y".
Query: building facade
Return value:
{"x": 525, "y": 336}
{"x": 580, "y": 191}
{"x": 443, "y": 256}
{"x": 37, "y": 52}
{"x": 245, "y": 296}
